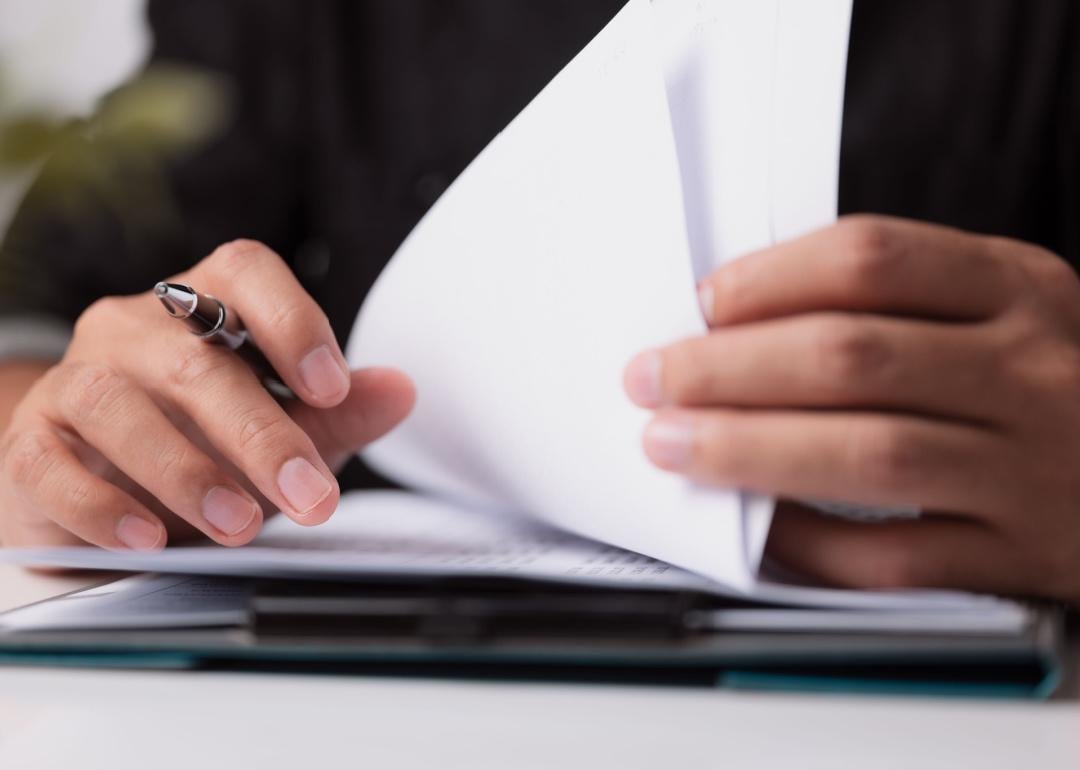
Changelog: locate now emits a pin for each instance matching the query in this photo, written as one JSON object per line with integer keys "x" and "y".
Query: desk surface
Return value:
{"x": 87, "y": 720}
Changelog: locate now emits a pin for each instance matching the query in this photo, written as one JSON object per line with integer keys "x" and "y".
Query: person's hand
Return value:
{"x": 144, "y": 429}
{"x": 889, "y": 363}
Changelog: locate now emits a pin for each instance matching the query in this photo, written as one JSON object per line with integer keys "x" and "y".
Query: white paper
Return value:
{"x": 756, "y": 91}
{"x": 394, "y": 533}
{"x": 718, "y": 58}
{"x": 516, "y": 303}
{"x": 808, "y": 108}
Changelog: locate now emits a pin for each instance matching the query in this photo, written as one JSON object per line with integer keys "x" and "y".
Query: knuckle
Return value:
{"x": 888, "y": 459}
{"x": 867, "y": 249}
{"x": 99, "y": 312}
{"x": 81, "y": 498}
{"x": 28, "y": 459}
{"x": 289, "y": 316}
{"x": 175, "y": 466}
{"x": 1021, "y": 346}
{"x": 1068, "y": 369}
{"x": 192, "y": 365}
{"x": 1028, "y": 354}
{"x": 89, "y": 504}
{"x": 233, "y": 258}
{"x": 1056, "y": 367}
{"x": 849, "y": 351}
{"x": 258, "y": 431}
{"x": 1044, "y": 265}
{"x": 94, "y": 392}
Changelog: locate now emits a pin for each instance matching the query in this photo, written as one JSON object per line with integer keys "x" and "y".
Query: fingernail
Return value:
{"x": 706, "y": 299}
{"x": 302, "y": 485}
{"x": 642, "y": 379}
{"x": 138, "y": 534}
{"x": 669, "y": 442}
{"x": 228, "y": 511}
{"x": 322, "y": 374}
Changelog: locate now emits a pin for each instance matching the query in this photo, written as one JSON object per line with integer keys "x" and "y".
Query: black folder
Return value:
{"x": 534, "y": 630}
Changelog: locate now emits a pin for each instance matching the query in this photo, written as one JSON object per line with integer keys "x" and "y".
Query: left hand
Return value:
{"x": 889, "y": 363}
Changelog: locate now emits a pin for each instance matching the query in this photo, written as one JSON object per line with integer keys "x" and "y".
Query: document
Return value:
{"x": 397, "y": 533}
{"x": 173, "y": 602}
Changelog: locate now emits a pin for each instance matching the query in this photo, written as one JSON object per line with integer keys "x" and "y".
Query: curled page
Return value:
{"x": 515, "y": 304}
{"x": 756, "y": 92}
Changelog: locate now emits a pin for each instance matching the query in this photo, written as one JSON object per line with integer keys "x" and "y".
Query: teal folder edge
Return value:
{"x": 759, "y": 681}
{"x": 731, "y": 678}
{"x": 134, "y": 660}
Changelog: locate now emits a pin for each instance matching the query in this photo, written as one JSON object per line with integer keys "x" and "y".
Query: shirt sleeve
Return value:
{"x": 33, "y": 338}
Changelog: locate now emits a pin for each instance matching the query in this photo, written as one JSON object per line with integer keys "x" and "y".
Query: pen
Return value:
{"x": 207, "y": 318}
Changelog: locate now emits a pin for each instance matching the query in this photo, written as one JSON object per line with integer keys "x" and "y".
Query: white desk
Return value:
{"x": 57, "y": 719}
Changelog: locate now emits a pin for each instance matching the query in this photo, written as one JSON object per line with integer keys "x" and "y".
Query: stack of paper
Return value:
{"x": 395, "y": 533}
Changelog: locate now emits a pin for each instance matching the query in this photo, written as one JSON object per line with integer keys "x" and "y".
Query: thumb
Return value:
{"x": 378, "y": 400}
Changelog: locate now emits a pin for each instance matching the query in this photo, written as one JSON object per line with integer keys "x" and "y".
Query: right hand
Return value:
{"x": 144, "y": 430}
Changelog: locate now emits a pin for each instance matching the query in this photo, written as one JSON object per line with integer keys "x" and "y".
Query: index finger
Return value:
{"x": 284, "y": 321}
{"x": 865, "y": 264}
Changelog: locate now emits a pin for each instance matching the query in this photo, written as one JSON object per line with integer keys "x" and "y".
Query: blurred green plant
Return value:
{"x": 120, "y": 152}
{"x": 164, "y": 110}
